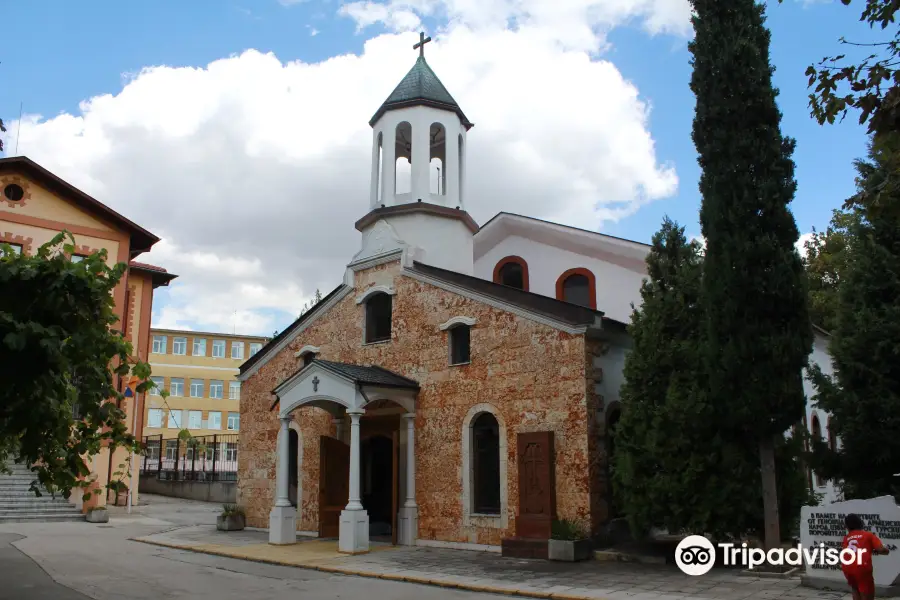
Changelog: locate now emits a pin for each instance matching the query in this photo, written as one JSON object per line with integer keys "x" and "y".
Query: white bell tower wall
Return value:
{"x": 430, "y": 139}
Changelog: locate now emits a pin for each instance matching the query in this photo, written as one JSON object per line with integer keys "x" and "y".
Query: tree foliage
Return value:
{"x": 676, "y": 466}
{"x": 826, "y": 255}
{"x": 757, "y": 333}
{"x": 870, "y": 84}
{"x": 59, "y": 402}
{"x": 863, "y": 396}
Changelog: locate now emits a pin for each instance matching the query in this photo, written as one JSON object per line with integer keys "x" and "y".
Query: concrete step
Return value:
{"x": 29, "y": 517}
{"x": 49, "y": 507}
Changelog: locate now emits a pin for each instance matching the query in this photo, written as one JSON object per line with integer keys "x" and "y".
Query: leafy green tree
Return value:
{"x": 863, "y": 396}
{"x": 869, "y": 84}
{"x": 62, "y": 362}
{"x": 757, "y": 330}
{"x": 825, "y": 260}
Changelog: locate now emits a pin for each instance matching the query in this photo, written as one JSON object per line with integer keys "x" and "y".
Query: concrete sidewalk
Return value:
{"x": 489, "y": 572}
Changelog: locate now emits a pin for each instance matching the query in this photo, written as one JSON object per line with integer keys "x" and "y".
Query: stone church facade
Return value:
{"x": 460, "y": 386}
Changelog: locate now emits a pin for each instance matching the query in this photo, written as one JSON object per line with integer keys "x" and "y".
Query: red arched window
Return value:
{"x": 577, "y": 286}
{"x": 513, "y": 272}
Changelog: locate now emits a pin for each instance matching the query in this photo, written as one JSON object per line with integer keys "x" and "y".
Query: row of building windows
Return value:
{"x": 192, "y": 419}
{"x": 197, "y": 387}
{"x": 18, "y": 248}
{"x": 576, "y": 286}
{"x": 228, "y": 452}
{"x": 180, "y": 345}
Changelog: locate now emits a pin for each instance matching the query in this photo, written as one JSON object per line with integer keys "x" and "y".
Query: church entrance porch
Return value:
{"x": 359, "y": 473}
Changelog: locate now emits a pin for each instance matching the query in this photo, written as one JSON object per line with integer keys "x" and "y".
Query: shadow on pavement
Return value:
{"x": 21, "y": 578}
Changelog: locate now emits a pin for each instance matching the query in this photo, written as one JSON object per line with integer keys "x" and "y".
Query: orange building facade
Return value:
{"x": 35, "y": 205}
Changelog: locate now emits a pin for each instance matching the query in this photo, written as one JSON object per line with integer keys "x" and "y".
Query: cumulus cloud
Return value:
{"x": 253, "y": 170}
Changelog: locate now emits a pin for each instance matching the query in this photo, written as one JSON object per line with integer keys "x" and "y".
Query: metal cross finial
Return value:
{"x": 421, "y": 45}
{"x": 315, "y": 382}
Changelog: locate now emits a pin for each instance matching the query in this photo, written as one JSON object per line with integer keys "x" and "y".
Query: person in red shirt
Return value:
{"x": 860, "y": 575}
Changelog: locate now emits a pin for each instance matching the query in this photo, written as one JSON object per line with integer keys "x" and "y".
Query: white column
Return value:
{"x": 354, "y": 501}
{"x": 421, "y": 159}
{"x": 374, "y": 183}
{"x": 451, "y": 168}
{"x": 283, "y": 476}
{"x": 283, "y": 518}
{"x": 354, "y": 527}
{"x": 410, "y": 460}
{"x": 408, "y": 521}
{"x": 388, "y": 165}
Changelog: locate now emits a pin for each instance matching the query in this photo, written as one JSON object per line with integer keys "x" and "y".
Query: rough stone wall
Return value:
{"x": 534, "y": 375}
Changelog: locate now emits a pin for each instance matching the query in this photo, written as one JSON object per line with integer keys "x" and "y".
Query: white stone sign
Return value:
{"x": 825, "y": 525}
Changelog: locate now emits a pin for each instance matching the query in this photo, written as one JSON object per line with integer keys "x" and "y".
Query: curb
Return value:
{"x": 386, "y": 576}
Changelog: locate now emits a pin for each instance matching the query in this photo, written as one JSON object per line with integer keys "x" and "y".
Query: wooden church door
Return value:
{"x": 334, "y": 484}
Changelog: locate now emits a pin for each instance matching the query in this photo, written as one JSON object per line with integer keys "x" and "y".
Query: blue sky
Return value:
{"x": 85, "y": 48}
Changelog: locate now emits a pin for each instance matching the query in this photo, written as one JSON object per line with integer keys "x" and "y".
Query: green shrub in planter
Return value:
{"x": 568, "y": 542}
{"x": 233, "y": 518}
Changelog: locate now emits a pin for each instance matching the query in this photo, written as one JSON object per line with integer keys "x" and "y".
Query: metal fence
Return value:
{"x": 204, "y": 458}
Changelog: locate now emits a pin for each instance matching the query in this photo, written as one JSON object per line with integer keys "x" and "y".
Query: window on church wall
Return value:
{"x": 486, "y": 464}
{"x": 403, "y": 161}
{"x": 832, "y": 438}
{"x": 438, "y": 153}
{"x": 512, "y": 271}
{"x": 460, "y": 344}
{"x": 308, "y": 358}
{"x": 577, "y": 286}
{"x": 378, "y": 318}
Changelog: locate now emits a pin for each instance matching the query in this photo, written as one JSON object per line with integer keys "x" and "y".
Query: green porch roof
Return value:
{"x": 421, "y": 87}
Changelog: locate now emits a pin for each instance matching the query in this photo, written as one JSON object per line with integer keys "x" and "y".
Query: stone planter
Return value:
{"x": 230, "y": 522}
{"x": 569, "y": 550}
{"x": 97, "y": 515}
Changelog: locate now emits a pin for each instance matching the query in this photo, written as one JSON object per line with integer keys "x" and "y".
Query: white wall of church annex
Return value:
{"x": 820, "y": 357}
{"x": 617, "y": 286}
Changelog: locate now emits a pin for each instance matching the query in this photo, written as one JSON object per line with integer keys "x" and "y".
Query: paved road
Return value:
{"x": 75, "y": 561}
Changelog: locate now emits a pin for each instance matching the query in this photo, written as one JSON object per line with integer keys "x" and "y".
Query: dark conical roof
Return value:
{"x": 421, "y": 87}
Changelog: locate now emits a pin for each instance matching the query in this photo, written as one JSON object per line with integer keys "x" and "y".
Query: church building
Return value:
{"x": 457, "y": 389}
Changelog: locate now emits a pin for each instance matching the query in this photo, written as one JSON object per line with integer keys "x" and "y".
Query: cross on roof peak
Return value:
{"x": 421, "y": 45}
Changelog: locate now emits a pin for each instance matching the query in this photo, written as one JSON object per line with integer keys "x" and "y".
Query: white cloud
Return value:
{"x": 254, "y": 171}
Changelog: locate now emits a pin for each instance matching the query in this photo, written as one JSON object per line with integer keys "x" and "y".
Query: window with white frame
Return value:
{"x": 255, "y": 347}
{"x": 237, "y": 350}
{"x": 174, "y": 421}
{"x": 196, "y": 388}
{"x": 179, "y": 346}
{"x": 154, "y": 417}
{"x": 234, "y": 390}
{"x": 159, "y": 344}
{"x": 152, "y": 452}
{"x": 229, "y": 452}
{"x": 215, "y": 420}
{"x": 199, "y": 348}
{"x": 160, "y": 384}
{"x": 176, "y": 386}
{"x": 171, "y": 449}
{"x": 216, "y": 388}
{"x": 218, "y": 349}
{"x": 234, "y": 421}
{"x": 195, "y": 419}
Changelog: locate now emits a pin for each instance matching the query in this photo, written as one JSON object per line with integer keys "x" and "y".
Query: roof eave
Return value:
{"x": 421, "y": 102}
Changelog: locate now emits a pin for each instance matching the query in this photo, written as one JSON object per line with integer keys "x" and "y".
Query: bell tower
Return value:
{"x": 417, "y": 189}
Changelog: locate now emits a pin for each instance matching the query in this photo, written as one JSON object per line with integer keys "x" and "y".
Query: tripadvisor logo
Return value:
{"x": 696, "y": 555}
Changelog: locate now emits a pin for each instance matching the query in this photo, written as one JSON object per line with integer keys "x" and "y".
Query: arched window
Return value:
{"x": 577, "y": 286}
{"x": 486, "y": 464}
{"x": 817, "y": 435}
{"x": 437, "y": 177}
{"x": 379, "y": 166}
{"x": 460, "y": 344}
{"x": 513, "y": 272}
{"x": 378, "y": 318}
{"x": 832, "y": 438}
{"x": 403, "y": 158}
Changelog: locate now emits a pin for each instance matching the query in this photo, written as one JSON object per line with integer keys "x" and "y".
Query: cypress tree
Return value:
{"x": 863, "y": 397}
{"x": 757, "y": 328}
